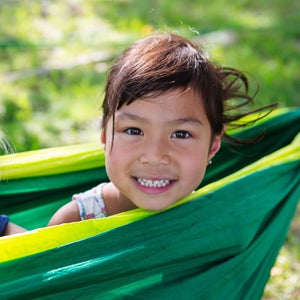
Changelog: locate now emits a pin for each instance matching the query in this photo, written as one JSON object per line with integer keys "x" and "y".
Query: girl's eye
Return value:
{"x": 133, "y": 131}
{"x": 181, "y": 134}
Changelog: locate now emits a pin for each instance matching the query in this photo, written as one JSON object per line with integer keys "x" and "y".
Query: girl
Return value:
{"x": 164, "y": 114}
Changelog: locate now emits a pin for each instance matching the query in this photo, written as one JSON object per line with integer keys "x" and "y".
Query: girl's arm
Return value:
{"x": 66, "y": 214}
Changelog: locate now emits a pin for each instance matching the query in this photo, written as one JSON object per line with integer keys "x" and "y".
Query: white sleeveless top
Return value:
{"x": 91, "y": 204}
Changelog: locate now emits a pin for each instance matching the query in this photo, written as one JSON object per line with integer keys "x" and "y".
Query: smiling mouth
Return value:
{"x": 153, "y": 183}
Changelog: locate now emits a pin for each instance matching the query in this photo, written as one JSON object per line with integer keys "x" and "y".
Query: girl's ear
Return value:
{"x": 215, "y": 146}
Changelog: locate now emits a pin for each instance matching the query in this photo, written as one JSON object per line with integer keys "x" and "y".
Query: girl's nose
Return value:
{"x": 156, "y": 153}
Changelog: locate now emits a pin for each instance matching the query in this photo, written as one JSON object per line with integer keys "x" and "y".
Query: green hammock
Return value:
{"x": 217, "y": 243}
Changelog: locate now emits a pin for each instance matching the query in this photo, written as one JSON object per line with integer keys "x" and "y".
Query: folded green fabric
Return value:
{"x": 218, "y": 243}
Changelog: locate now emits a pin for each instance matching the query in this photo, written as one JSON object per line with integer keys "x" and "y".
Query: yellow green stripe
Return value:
{"x": 51, "y": 161}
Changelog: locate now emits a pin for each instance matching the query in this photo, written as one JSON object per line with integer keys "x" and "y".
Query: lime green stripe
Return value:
{"x": 275, "y": 113}
{"x": 51, "y": 161}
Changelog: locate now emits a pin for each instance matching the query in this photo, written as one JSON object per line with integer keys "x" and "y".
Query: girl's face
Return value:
{"x": 161, "y": 147}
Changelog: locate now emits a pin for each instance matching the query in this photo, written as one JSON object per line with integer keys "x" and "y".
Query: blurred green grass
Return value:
{"x": 54, "y": 56}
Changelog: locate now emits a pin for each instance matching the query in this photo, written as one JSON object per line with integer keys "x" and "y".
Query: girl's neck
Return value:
{"x": 114, "y": 202}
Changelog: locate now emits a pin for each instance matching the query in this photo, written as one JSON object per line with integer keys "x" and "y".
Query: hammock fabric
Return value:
{"x": 218, "y": 243}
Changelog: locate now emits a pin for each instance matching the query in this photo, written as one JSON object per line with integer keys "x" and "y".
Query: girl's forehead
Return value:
{"x": 162, "y": 97}
{"x": 173, "y": 104}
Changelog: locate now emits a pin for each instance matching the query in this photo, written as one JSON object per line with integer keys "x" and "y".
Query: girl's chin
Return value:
{"x": 154, "y": 204}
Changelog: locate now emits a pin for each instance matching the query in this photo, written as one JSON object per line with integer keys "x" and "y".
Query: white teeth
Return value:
{"x": 153, "y": 183}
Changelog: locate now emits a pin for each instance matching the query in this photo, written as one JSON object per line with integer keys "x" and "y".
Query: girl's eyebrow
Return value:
{"x": 187, "y": 120}
{"x": 129, "y": 116}
{"x": 179, "y": 121}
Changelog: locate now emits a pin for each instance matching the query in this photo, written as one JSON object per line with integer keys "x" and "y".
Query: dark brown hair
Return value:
{"x": 165, "y": 62}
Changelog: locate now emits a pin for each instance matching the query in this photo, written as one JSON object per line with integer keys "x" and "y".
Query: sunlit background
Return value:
{"x": 55, "y": 54}
{"x": 54, "y": 57}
